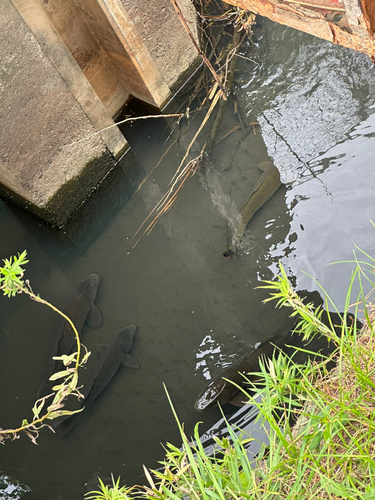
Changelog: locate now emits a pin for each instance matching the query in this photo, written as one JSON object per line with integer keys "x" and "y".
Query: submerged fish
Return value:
{"x": 115, "y": 354}
{"x": 80, "y": 309}
{"x": 221, "y": 391}
{"x": 266, "y": 186}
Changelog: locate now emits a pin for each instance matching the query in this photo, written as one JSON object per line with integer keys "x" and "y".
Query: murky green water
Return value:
{"x": 314, "y": 103}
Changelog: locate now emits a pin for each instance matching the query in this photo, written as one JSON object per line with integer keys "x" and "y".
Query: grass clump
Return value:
{"x": 321, "y": 423}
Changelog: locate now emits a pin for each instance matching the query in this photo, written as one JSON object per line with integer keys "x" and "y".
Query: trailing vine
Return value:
{"x": 12, "y": 283}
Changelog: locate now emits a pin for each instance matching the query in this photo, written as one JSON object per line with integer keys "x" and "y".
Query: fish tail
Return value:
{"x": 233, "y": 246}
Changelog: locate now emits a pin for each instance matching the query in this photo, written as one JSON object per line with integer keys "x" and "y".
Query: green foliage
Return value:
{"x": 11, "y": 274}
{"x": 110, "y": 493}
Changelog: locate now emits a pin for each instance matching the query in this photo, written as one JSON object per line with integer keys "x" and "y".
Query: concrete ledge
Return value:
{"x": 40, "y": 118}
{"x": 57, "y": 210}
{"x": 66, "y": 68}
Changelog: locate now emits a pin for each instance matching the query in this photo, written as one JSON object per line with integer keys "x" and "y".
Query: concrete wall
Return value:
{"x": 39, "y": 119}
{"x": 167, "y": 41}
{"x": 66, "y": 68}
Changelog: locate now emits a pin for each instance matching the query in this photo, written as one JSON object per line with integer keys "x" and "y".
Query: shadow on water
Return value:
{"x": 194, "y": 312}
{"x": 90, "y": 220}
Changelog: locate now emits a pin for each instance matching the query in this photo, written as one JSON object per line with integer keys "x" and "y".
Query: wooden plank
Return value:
{"x": 349, "y": 23}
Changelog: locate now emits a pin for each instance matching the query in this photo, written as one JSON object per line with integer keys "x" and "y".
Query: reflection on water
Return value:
{"x": 314, "y": 102}
{"x": 11, "y": 488}
{"x": 207, "y": 348}
{"x": 315, "y": 95}
{"x": 253, "y": 432}
{"x": 210, "y": 349}
{"x": 194, "y": 312}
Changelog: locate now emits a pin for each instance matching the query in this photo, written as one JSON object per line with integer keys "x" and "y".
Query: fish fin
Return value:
{"x": 45, "y": 388}
{"x": 239, "y": 399}
{"x": 94, "y": 318}
{"x": 128, "y": 336}
{"x": 130, "y": 362}
{"x": 65, "y": 425}
{"x": 101, "y": 348}
{"x": 260, "y": 181}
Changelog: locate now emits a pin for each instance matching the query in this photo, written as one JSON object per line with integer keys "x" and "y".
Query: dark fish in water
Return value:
{"x": 114, "y": 355}
{"x": 220, "y": 391}
{"x": 80, "y": 309}
{"x": 266, "y": 187}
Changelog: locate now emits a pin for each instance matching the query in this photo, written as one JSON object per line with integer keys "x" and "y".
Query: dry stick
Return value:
{"x": 206, "y": 61}
{"x": 241, "y": 115}
{"x": 169, "y": 198}
{"x": 156, "y": 166}
{"x": 208, "y": 147}
{"x": 160, "y": 206}
{"x": 176, "y": 177}
{"x": 168, "y": 149}
{"x": 214, "y": 43}
{"x": 211, "y": 108}
{"x": 180, "y": 115}
{"x": 222, "y": 17}
{"x": 233, "y": 129}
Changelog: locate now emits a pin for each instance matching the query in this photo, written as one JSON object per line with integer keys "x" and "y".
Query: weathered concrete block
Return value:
{"x": 165, "y": 37}
{"x": 66, "y": 68}
{"x": 40, "y": 118}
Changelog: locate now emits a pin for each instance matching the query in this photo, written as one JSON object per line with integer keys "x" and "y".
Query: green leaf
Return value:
{"x": 62, "y": 374}
{"x": 315, "y": 441}
{"x": 60, "y": 413}
{"x": 333, "y": 488}
{"x": 11, "y": 274}
{"x": 370, "y": 493}
{"x": 65, "y": 358}
{"x": 37, "y": 408}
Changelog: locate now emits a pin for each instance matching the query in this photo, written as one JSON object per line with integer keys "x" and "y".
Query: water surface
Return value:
{"x": 193, "y": 310}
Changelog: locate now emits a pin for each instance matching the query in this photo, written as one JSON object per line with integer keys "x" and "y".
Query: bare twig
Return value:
{"x": 179, "y": 115}
{"x": 206, "y": 61}
{"x": 230, "y": 68}
{"x": 183, "y": 173}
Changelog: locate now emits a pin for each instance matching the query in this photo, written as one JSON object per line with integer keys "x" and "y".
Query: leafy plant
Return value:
{"x": 114, "y": 492}
{"x": 12, "y": 283}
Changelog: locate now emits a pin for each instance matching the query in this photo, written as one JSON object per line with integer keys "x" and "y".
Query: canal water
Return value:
{"x": 194, "y": 312}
